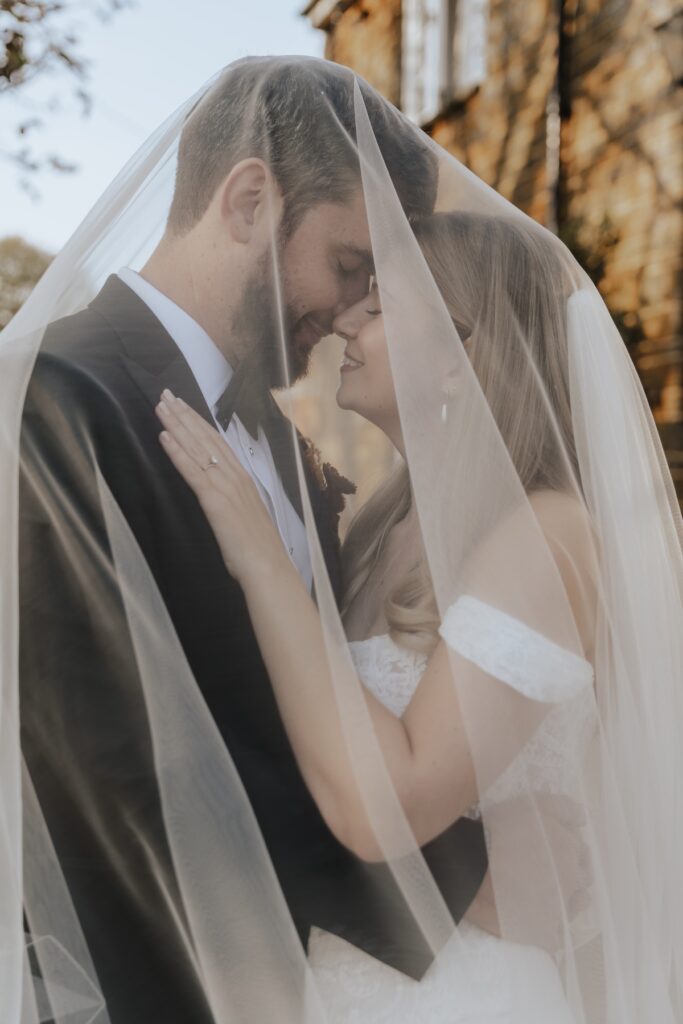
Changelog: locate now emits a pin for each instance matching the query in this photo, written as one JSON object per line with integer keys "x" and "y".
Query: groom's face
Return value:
{"x": 324, "y": 267}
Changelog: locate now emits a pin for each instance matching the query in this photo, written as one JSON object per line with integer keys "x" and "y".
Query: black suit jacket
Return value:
{"x": 85, "y": 736}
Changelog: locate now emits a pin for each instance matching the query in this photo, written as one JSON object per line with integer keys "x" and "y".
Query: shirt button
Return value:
{"x": 291, "y": 551}
{"x": 251, "y": 450}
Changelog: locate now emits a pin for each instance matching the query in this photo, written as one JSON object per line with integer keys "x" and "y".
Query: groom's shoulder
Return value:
{"x": 83, "y": 350}
{"x": 91, "y": 339}
{"x": 78, "y": 339}
{"x": 76, "y": 367}
{"x": 75, "y": 351}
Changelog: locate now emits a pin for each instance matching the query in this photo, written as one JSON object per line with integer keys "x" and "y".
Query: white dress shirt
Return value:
{"x": 212, "y": 372}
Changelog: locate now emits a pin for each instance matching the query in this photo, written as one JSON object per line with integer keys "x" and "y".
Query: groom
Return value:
{"x": 263, "y": 147}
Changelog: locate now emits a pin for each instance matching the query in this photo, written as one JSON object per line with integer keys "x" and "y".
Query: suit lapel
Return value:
{"x": 278, "y": 430}
{"x": 148, "y": 352}
{"x": 177, "y": 376}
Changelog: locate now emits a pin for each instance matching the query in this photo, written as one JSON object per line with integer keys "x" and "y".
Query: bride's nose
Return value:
{"x": 348, "y": 323}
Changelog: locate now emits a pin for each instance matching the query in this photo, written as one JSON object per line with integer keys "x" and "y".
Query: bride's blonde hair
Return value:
{"x": 474, "y": 259}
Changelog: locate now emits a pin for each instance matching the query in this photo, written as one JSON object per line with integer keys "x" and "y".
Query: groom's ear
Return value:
{"x": 249, "y": 200}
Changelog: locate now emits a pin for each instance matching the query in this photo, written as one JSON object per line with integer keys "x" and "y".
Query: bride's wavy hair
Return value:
{"x": 518, "y": 351}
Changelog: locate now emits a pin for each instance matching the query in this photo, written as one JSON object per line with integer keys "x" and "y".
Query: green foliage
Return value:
{"x": 34, "y": 39}
{"x": 21, "y": 267}
{"x": 39, "y": 38}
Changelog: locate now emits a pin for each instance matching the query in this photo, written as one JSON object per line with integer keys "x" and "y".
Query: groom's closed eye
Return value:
{"x": 353, "y": 269}
{"x": 348, "y": 266}
{"x": 351, "y": 261}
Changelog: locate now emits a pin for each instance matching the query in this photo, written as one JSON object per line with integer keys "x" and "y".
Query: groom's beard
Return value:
{"x": 263, "y": 326}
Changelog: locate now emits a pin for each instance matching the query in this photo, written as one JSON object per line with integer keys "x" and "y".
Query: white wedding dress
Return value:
{"x": 477, "y": 978}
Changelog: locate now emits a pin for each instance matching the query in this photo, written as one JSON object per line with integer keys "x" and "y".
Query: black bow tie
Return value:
{"x": 246, "y": 396}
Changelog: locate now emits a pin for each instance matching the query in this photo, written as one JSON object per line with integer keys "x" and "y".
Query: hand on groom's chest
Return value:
{"x": 211, "y": 374}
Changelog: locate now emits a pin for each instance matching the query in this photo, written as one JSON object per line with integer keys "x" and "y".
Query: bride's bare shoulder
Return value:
{"x": 566, "y": 521}
{"x": 545, "y": 539}
{"x": 570, "y": 533}
{"x": 561, "y": 518}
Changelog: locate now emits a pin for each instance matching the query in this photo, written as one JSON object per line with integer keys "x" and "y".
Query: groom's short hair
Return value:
{"x": 296, "y": 114}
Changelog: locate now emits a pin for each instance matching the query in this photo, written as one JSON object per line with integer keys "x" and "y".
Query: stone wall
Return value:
{"x": 365, "y": 35}
{"x": 500, "y": 130}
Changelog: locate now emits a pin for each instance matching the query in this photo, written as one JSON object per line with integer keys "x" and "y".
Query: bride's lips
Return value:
{"x": 349, "y": 363}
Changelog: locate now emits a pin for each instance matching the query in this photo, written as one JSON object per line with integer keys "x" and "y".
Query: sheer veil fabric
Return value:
{"x": 546, "y": 517}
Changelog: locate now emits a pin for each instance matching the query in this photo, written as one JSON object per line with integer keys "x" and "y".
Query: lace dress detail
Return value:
{"x": 390, "y": 671}
{"x": 477, "y": 978}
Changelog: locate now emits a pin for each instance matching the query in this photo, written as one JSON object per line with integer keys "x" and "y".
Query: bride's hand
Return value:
{"x": 246, "y": 534}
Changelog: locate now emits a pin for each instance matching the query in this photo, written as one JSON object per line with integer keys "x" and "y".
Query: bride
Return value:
{"x": 539, "y": 680}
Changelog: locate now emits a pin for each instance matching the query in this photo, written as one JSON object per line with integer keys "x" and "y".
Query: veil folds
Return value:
{"x": 548, "y": 535}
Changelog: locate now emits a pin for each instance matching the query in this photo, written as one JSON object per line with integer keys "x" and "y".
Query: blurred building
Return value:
{"x": 573, "y": 110}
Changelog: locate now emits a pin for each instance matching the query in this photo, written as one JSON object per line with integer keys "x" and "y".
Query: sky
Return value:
{"x": 144, "y": 62}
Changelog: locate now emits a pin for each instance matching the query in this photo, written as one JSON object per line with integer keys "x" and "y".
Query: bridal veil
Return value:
{"x": 541, "y": 493}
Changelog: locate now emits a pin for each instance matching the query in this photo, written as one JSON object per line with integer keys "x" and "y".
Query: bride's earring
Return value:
{"x": 450, "y": 385}
{"x": 449, "y": 389}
